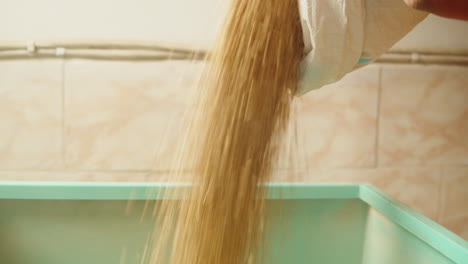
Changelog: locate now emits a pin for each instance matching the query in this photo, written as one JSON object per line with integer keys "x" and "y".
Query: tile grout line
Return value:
{"x": 27, "y": 171}
{"x": 377, "y": 120}
{"x": 313, "y": 169}
{"x": 63, "y": 115}
{"x": 439, "y": 198}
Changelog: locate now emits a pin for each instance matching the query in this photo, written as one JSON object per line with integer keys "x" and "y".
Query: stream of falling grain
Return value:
{"x": 241, "y": 114}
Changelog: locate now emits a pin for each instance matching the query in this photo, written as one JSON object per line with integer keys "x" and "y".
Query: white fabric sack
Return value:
{"x": 343, "y": 35}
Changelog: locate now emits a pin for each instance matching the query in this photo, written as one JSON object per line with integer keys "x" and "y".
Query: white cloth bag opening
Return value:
{"x": 343, "y": 35}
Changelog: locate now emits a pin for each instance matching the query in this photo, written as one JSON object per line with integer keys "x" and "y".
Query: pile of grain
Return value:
{"x": 242, "y": 110}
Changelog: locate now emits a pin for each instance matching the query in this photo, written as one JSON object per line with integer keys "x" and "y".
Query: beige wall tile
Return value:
{"x": 424, "y": 115}
{"x": 337, "y": 123}
{"x": 114, "y": 110}
{"x": 30, "y": 114}
{"x": 311, "y": 175}
{"x": 168, "y": 176}
{"x": 454, "y": 200}
{"x": 125, "y": 115}
{"x": 74, "y": 176}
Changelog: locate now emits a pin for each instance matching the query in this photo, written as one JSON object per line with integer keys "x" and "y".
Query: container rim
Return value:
{"x": 438, "y": 237}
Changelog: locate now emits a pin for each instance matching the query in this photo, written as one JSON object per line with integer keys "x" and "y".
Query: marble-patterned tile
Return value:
{"x": 454, "y": 200}
{"x": 423, "y": 116}
{"x": 125, "y": 115}
{"x": 288, "y": 175}
{"x": 30, "y": 114}
{"x": 336, "y": 125}
{"x": 74, "y": 176}
{"x": 169, "y": 176}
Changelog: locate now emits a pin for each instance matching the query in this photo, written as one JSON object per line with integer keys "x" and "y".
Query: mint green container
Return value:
{"x": 87, "y": 223}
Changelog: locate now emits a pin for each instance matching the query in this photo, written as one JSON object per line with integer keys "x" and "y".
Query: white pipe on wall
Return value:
{"x": 151, "y": 50}
{"x": 99, "y": 44}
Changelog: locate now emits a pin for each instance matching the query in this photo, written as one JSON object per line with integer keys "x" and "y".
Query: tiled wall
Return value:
{"x": 403, "y": 128}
